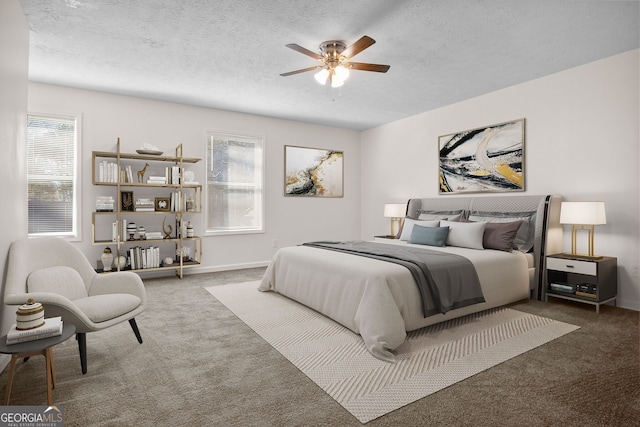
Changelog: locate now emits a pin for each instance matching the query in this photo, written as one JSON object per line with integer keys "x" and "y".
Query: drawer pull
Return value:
{"x": 570, "y": 266}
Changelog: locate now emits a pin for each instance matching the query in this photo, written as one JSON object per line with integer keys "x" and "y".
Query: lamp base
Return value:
{"x": 582, "y": 256}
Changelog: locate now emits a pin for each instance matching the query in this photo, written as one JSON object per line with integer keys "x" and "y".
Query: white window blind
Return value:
{"x": 52, "y": 148}
{"x": 235, "y": 177}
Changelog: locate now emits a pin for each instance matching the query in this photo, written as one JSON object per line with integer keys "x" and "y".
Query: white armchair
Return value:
{"x": 55, "y": 273}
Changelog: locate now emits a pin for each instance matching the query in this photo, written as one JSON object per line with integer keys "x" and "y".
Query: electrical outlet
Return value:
{"x": 274, "y": 243}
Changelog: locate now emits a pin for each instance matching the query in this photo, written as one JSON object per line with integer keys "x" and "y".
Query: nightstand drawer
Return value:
{"x": 572, "y": 266}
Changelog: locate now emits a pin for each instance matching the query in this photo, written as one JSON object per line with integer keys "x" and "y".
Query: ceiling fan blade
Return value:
{"x": 290, "y": 73}
{"x": 301, "y": 49}
{"x": 357, "y": 47}
{"x": 378, "y": 68}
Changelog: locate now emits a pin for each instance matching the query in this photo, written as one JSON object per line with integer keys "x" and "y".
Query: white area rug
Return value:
{"x": 431, "y": 359}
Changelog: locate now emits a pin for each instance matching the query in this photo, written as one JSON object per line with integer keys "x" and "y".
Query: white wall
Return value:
{"x": 289, "y": 220}
{"x": 582, "y": 137}
{"x": 14, "y": 60}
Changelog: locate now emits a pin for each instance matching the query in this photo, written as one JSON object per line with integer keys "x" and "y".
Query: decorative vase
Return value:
{"x": 107, "y": 259}
{"x": 29, "y": 315}
{"x": 121, "y": 262}
{"x": 131, "y": 230}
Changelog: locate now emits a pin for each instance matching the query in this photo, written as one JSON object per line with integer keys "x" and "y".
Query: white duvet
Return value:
{"x": 379, "y": 300}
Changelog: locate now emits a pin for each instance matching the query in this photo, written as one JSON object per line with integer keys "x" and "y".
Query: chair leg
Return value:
{"x": 82, "y": 346}
{"x": 134, "y": 326}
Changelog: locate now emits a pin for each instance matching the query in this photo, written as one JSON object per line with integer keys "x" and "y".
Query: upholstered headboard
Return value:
{"x": 547, "y": 237}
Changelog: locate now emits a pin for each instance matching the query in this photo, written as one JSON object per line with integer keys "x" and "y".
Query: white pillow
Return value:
{"x": 465, "y": 234}
{"x": 407, "y": 227}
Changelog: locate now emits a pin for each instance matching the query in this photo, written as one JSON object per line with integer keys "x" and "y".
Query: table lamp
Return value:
{"x": 395, "y": 211}
{"x": 583, "y": 216}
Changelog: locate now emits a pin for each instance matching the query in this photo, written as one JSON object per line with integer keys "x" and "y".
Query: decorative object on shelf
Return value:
{"x": 189, "y": 229}
{"x": 29, "y": 315}
{"x": 395, "y": 211}
{"x": 126, "y": 201}
{"x": 167, "y": 231}
{"x": 149, "y": 149}
{"x": 189, "y": 177}
{"x": 488, "y": 159}
{"x": 121, "y": 262}
{"x": 107, "y": 259}
{"x": 131, "y": 230}
{"x": 583, "y": 216}
{"x": 162, "y": 204}
{"x": 141, "y": 232}
{"x": 167, "y": 261}
{"x": 189, "y": 204}
{"x": 141, "y": 173}
{"x": 184, "y": 252}
{"x": 313, "y": 172}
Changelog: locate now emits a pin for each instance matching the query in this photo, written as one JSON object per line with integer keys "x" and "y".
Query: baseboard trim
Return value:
{"x": 203, "y": 269}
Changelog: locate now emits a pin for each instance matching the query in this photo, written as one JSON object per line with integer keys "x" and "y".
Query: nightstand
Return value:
{"x": 592, "y": 282}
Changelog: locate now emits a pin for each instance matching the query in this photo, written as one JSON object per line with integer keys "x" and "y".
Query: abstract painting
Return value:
{"x": 487, "y": 159}
{"x": 313, "y": 172}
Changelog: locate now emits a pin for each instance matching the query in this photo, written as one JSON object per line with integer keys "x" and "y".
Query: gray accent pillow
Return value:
{"x": 525, "y": 236}
{"x": 501, "y": 235}
{"x": 432, "y": 236}
{"x": 407, "y": 226}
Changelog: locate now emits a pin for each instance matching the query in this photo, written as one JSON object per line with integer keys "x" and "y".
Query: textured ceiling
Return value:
{"x": 228, "y": 54}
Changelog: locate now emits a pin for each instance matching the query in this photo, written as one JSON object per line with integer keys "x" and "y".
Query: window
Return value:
{"x": 235, "y": 175}
{"x": 52, "y": 175}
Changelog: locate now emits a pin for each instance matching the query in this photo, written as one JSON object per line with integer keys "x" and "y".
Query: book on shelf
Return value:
{"x": 104, "y": 204}
{"x": 154, "y": 235}
{"x": 144, "y": 205}
{"x": 586, "y": 294}
{"x": 52, "y": 328}
{"x": 157, "y": 180}
{"x": 142, "y": 258}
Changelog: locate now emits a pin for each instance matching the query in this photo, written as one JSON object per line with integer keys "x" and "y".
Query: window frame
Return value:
{"x": 76, "y": 232}
{"x": 238, "y": 231}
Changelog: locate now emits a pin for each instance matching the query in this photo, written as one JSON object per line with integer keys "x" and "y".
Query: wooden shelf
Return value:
{"x": 122, "y": 246}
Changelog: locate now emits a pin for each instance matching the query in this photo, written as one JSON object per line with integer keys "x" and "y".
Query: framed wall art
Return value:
{"x": 162, "y": 204}
{"x": 126, "y": 201}
{"x": 487, "y": 159}
{"x": 313, "y": 172}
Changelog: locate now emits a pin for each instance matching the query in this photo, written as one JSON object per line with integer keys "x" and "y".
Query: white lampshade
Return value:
{"x": 583, "y": 213}
{"x": 336, "y": 82}
{"x": 395, "y": 210}
{"x": 341, "y": 73}
{"x": 322, "y": 75}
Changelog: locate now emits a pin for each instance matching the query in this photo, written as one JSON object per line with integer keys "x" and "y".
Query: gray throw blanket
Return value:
{"x": 445, "y": 281}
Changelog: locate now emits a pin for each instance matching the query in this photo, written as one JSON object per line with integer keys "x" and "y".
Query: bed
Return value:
{"x": 380, "y": 300}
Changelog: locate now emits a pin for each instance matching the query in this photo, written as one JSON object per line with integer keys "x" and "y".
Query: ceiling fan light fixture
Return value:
{"x": 322, "y": 76}
{"x": 336, "y": 82}
{"x": 341, "y": 73}
{"x": 335, "y": 56}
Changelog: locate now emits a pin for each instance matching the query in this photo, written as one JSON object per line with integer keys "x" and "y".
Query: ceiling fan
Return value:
{"x": 335, "y": 55}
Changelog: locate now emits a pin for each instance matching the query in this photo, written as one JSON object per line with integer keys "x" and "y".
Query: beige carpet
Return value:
{"x": 430, "y": 360}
